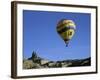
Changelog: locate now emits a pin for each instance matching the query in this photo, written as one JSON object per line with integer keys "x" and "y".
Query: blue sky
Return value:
{"x": 40, "y": 35}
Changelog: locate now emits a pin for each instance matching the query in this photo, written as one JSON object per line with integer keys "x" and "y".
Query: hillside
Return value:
{"x": 38, "y": 62}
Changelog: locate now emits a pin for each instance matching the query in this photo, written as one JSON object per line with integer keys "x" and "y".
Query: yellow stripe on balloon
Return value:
{"x": 67, "y": 34}
{"x": 70, "y": 33}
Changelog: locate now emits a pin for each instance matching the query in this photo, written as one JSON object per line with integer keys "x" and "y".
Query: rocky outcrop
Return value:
{"x": 27, "y": 64}
{"x": 38, "y": 62}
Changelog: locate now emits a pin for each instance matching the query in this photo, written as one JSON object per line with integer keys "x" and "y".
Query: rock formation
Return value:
{"x": 38, "y": 62}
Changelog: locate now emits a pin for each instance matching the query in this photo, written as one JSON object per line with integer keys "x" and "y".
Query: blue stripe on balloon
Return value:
{"x": 70, "y": 27}
{"x": 65, "y": 29}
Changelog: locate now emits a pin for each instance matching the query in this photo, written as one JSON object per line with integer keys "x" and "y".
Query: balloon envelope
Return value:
{"x": 66, "y": 29}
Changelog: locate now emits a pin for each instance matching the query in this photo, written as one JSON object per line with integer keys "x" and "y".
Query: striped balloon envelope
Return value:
{"x": 66, "y": 29}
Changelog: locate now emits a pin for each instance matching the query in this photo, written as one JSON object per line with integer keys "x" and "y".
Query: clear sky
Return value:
{"x": 40, "y": 35}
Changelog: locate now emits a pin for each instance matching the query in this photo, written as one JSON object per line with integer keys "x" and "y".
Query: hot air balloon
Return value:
{"x": 66, "y": 29}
